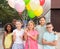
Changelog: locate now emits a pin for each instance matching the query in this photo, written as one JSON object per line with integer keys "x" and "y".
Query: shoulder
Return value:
{"x": 5, "y": 33}
{"x": 37, "y": 25}
{"x": 22, "y": 29}
{"x": 45, "y": 33}
{"x": 35, "y": 31}
{"x": 14, "y": 30}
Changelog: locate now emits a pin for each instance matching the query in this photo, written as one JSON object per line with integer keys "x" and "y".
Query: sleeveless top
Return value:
{"x": 8, "y": 40}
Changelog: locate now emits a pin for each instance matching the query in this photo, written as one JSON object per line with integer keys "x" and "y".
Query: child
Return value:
{"x": 41, "y": 28}
{"x": 18, "y": 36}
{"x": 7, "y": 38}
{"x": 49, "y": 38}
{"x": 31, "y": 36}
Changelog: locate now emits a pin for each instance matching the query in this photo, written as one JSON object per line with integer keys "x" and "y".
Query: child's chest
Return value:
{"x": 50, "y": 37}
{"x": 32, "y": 33}
{"x": 19, "y": 33}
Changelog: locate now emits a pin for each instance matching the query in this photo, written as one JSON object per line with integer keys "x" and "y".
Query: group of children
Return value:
{"x": 42, "y": 34}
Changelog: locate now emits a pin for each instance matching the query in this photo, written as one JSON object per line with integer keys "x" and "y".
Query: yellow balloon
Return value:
{"x": 28, "y": 6}
{"x": 38, "y": 11}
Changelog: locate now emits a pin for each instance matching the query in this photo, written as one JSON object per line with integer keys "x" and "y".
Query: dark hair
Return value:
{"x": 48, "y": 23}
{"x": 42, "y": 17}
{"x": 5, "y": 27}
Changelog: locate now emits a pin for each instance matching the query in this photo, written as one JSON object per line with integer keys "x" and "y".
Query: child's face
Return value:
{"x": 18, "y": 24}
{"x": 42, "y": 21}
{"x": 30, "y": 25}
{"x": 49, "y": 28}
{"x": 8, "y": 28}
{"x": 14, "y": 21}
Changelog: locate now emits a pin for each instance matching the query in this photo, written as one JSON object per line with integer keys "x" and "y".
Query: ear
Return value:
{"x": 52, "y": 27}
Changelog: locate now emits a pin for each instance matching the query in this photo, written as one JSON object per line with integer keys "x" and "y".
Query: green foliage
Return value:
{"x": 7, "y": 13}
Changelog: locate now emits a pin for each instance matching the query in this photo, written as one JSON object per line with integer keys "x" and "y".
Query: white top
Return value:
{"x": 19, "y": 33}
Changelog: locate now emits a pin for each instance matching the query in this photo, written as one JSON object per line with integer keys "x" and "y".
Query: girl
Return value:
{"x": 18, "y": 36}
{"x": 7, "y": 38}
{"x": 31, "y": 36}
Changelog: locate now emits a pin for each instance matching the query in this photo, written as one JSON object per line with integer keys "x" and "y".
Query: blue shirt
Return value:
{"x": 50, "y": 37}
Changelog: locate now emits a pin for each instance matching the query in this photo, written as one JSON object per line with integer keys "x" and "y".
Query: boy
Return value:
{"x": 49, "y": 38}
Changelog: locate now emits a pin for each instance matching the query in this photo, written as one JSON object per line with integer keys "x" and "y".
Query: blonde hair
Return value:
{"x": 31, "y": 21}
{"x": 19, "y": 21}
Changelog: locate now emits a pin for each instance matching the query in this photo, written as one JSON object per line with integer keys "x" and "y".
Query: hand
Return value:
{"x": 26, "y": 30}
{"x": 55, "y": 32}
{"x": 29, "y": 34}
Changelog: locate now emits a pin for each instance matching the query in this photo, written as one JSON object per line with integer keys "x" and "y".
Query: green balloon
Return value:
{"x": 26, "y": 1}
{"x": 31, "y": 14}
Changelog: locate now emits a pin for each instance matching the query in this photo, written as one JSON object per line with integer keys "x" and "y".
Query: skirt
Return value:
{"x": 18, "y": 46}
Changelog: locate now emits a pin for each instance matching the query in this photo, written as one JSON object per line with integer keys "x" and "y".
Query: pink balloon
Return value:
{"x": 20, "y": 6}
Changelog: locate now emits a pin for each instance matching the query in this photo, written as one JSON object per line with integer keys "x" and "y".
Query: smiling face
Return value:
{"x": 18, "y": 25}
{"x": 49, "y": 27}
{"x": 42, "y": 21}
{"x": 8, "y": 28}
{"x": 31, "y": 25}
{"x": 14, "y": 21}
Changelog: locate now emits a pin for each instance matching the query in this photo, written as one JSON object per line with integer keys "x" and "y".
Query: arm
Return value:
{"x": 34, "y": 37}
{"x": 53, "y": 43}
{"x": 14, "y": 37}
{"x": 25, "y": 36}
{"x": 44, "y": 42}
{"x": 4, "y": 39}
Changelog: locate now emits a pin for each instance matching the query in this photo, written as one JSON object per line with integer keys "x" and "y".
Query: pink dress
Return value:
{"x": 30, "y": 43}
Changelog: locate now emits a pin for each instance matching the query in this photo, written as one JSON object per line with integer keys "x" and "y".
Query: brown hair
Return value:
{"x": 48, "y": 23}
{"x": 42, "y": 17}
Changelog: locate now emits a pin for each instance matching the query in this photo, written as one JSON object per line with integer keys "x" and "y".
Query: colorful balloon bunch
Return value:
{"x": 34, "y": 7}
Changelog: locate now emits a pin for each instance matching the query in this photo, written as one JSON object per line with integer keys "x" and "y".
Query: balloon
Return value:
{"x": 39, "y": 11}
{"x": 34, "y": 4}
{"x": 20, "y": 6}
{"x": 26, "y": 1}
{"x": 28, "y": 7}
{"x": 11, "y": 3}
{"x": 31, "y": 14}
{"x": 42, "y": 2}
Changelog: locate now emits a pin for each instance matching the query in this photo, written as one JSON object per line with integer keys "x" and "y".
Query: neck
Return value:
{"x": 50, "y": 31}
{"x": 19, "y": 28}
{"x": 30, "y": 29}
{"x": 8, "y": 31}
{"x": 42, "y": 24}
